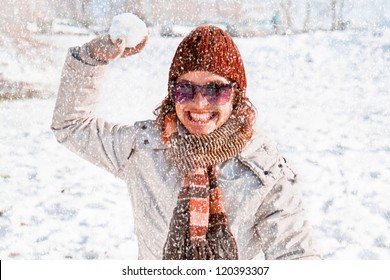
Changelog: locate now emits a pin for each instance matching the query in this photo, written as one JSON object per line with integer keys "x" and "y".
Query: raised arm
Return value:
{"x": 74, "y": 124}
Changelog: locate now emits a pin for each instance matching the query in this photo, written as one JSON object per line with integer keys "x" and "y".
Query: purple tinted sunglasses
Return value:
{"x": 215, "y": 93}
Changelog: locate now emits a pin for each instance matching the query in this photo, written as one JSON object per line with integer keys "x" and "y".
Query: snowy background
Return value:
{"x": 322, "y": 96}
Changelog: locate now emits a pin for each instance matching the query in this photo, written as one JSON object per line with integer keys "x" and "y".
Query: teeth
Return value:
{"x": 201, "y": 117}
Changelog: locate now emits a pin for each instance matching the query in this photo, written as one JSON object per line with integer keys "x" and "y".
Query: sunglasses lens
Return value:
{"x": 183, "y": 92}
{"x": 217, "y": 93}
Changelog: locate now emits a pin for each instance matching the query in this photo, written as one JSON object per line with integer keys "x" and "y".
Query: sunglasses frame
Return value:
{"x": 201, "y": 88}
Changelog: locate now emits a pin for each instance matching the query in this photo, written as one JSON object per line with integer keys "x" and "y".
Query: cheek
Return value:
{"x": 224, "y": 113}
{"x": 179, "y": 110}
{"x": 180, "y": 113}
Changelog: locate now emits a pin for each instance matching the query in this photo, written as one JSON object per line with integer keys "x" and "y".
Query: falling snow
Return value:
{"x": 322, "y": 96}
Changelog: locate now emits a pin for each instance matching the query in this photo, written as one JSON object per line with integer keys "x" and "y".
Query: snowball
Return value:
{"x": 130, "y": 27}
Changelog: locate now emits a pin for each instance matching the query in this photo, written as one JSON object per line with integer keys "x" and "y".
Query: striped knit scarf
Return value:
{"x": 199, "y": 224}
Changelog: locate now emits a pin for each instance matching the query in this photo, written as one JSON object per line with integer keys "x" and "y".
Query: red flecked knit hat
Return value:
{"x": 209, "y": 48}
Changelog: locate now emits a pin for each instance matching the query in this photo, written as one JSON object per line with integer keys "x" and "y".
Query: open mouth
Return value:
{"x": 201, "y": 118}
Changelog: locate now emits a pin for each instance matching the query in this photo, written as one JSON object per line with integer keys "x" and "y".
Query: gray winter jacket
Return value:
{"x": 262, "y": 202}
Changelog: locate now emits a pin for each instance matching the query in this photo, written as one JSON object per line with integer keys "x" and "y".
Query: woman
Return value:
{"x": 203, "y": 185}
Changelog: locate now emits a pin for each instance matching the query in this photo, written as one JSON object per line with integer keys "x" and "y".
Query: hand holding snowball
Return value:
{"x": 130, "y": 28}
{"x": 127, "y": 37}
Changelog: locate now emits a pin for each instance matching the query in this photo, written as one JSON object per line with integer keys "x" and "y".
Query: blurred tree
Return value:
{"x": 333, "y": 4}
{"x": 19, "y": 18}
{"x": 338, "y": 22}
{"x": 84, "y": 16}
{"x": 307, "y": 17}
{"x": 135, "y": 7}
{"x": 229, "y": 10}
{"x": 287, "y": 11}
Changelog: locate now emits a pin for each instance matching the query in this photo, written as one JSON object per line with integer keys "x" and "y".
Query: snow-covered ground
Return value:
{"x": 324, "y": 97}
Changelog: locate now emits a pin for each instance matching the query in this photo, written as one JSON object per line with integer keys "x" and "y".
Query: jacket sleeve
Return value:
{"x": 74, "y": 124}
{"x": 280, "y": 222}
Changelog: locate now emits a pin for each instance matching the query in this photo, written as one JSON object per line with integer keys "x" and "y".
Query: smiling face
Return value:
{"x": 198, "y": 115}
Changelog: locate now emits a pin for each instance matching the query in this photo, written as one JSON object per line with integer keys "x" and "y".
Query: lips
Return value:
{"x": 201, "y": 117}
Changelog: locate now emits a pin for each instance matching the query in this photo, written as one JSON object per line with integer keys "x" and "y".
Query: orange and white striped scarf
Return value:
{"x": 199, "y": 224}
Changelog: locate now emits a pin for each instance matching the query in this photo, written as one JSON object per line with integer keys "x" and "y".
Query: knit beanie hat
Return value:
{"x": 209, "y": 48}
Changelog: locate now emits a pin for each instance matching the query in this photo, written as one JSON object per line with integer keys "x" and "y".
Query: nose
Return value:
{"x": 199, "y": 100}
